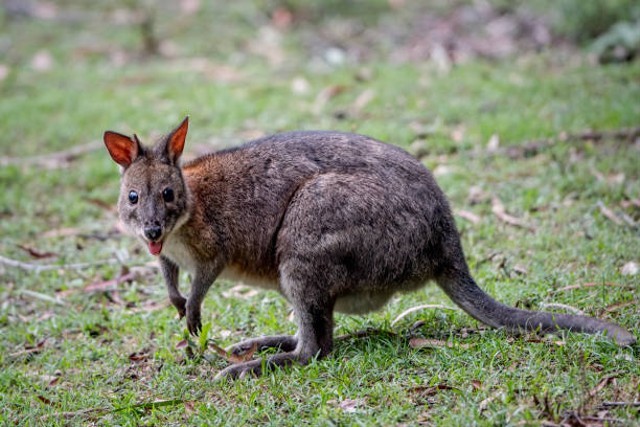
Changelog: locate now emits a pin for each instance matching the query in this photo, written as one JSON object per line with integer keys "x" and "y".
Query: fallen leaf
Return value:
{"x": 614, "y": 307}
{"x": 44, "y": 400}
{"x": 182, "y": 344}
{"x": 36, "y": 253}
{"x": 493, "y": 144}
{"x": 139, "y": 356}
{"x": 325, "y": 95}
{"x": 432, "y": 343}
{"x": 431, "y": 390}
{"x": 189, "y": 7}
{"x": 363, "y": 100}
{"x": 469, "y": 216}
{"x": 351, "y": 405}
{"x": 234, "y": 358}
{"x": 630, "y": 269}
{"x": 476, "y": 384}
{"x": 608, "y": 213}
{"x": 4, "y": 72}
{"x": 602, "y": 384}
{"x": 42, "y": 61}
{"x": 585, "y": 285}
{"x": 499, "y": 211}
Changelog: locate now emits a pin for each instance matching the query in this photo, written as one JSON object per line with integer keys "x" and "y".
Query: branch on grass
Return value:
{"x": 55, "y": 160}
{"x": 500, "y": 212}
{"x": 420, "y": 307}
{"x": 562, "y": 307}
{"x": 39, "y": 268}
{"x": 533, "y": 147}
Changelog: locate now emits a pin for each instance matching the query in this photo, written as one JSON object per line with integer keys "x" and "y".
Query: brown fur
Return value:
{"x": 333, "y": 221}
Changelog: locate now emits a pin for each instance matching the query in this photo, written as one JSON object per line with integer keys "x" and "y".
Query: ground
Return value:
{"x": 534, "y": 142}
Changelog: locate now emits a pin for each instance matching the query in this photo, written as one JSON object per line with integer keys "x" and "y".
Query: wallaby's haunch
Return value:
{"x": 333, "y": 221}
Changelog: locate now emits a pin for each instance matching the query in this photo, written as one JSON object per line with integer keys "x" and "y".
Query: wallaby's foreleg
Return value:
{"x": 170, "y": 271}
{"x": 202, "y": 281}
{"x": 314, "y": 336}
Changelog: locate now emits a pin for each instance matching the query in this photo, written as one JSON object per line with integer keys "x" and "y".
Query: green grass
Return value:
{"x": 115, "y": 353}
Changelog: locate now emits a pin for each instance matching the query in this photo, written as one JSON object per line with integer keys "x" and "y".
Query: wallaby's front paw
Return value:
{"x": 194, "y": 324}
{"x": 180, "y": 303}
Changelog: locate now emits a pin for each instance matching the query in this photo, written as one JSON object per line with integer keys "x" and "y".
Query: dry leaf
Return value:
{"x": 493, "y": 144}
{"x": 42, "y": 61}
{"x": 36, "y": 253}
{"x": 585, "y": 285}
{"x": 431, "y": 343}
{"x": 4, "y": 72}
{"x": 469, "y": 216}
{"x": 614, "y": 307}
{"x": 234, "y": 358}
{"x": 139, "y": 356}
{"x": 604, "y": 210}
{"x": 476, "y": 384}
{"x": 351, "y": 405}
{"x": 362, "y": 100}
{"x": 630, "y": 269}
{"x": 499, "y": 211}
{"x": 602, "y": 384}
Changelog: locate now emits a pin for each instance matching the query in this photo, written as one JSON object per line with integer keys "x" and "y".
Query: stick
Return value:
{"x": 39, "y": 268}
{"x": 52, "y": 159}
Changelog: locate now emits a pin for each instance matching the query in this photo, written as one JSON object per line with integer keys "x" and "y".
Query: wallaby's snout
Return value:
{"x": 153, "y": 232}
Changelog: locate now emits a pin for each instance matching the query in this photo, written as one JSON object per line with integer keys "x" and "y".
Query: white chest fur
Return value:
{"x": 179, "y": 253}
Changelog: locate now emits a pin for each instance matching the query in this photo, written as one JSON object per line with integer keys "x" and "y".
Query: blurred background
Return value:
{"x": 146, "y": 63}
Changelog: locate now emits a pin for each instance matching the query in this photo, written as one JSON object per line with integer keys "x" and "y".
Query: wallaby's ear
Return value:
{"x": 176, "y": 140}
{"x": 123, "y": 149}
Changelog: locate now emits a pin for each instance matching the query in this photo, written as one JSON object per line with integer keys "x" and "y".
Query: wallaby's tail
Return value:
{"x": 464, "y": 291}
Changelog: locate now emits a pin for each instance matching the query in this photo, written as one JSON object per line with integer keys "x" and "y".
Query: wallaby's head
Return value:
{"x": 154, "y": 200}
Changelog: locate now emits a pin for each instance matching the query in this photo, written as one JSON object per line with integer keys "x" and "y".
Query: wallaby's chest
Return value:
{"x": 180, "y": 253}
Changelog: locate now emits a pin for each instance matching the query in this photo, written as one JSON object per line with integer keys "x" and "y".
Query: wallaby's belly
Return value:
{"x": 362, "y": 303}
{"x": 235, "y": 274}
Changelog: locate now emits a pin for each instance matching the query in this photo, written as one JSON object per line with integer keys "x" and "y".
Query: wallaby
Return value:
{"x": 332, "y": 220}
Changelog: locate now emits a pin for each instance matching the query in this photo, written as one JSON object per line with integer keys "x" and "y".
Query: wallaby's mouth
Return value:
{"x": 155, "y": 248}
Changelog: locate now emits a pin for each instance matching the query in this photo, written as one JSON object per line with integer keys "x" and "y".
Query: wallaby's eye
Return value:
{"x": 167, "y": 195}
{"x": 133, "y": 197}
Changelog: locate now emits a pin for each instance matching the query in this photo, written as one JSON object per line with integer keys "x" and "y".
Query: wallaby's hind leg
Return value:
{"x": 314, "y": 314}
{"x": 285, "y": 343}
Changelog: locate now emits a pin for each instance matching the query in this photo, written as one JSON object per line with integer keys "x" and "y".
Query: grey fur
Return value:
{"x": 334, "y": 221}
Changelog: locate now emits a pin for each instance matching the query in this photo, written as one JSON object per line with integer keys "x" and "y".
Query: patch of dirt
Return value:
{"x": 411, "y": 33}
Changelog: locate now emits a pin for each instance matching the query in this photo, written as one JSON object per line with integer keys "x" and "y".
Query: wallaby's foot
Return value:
{"x": 258, "y": 366}
{"x": 284, "y": 343}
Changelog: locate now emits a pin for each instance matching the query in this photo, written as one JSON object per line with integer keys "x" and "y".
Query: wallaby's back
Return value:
{"x": 367, "y": 212}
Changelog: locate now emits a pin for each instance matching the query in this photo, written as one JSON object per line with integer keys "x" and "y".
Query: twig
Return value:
{"x": 500, "y": 212}
{"x": 563, "y": 307}
{"x": 420, "y": 307}
{"x": 619, "y": 404}
{"x": 585, "y": 285}
{"x": 531, "y": 148}
{"x": 39, "y": 268}
{"x": 52, "y": 160}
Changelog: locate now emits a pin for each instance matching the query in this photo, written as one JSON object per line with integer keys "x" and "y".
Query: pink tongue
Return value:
{"x": 155, "y": 248}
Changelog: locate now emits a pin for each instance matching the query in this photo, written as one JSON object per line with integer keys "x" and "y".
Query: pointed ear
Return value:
{"x": 176, "y": 140}
{"x": 123, "y": 149}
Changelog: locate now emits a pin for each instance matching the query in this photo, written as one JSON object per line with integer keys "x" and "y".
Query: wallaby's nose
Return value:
{"x": 153, "y": 232}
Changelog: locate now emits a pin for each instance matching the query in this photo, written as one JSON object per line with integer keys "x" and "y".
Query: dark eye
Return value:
{"x": 167, "y": 195}
{"x": 133, "y": 197}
